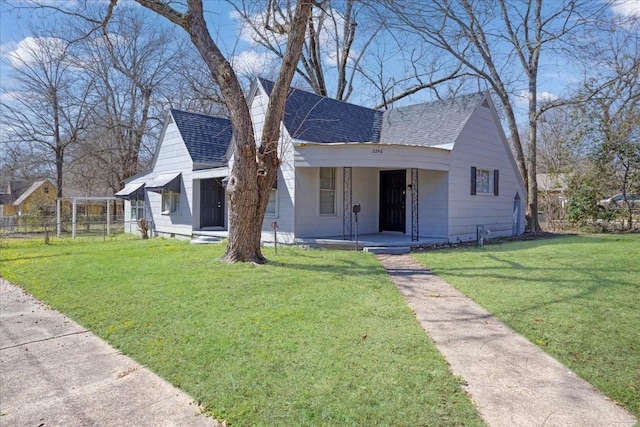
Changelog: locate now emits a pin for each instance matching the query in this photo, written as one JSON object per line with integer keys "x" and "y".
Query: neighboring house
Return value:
{"x": 38, "y": 195}
{"x": 552, "y": 197}
{"x": 9, "y": 192}
{"x": 435, "y": 170}
{"x": 553, "y": 183}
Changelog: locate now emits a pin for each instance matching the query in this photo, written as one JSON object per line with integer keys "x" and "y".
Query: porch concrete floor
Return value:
{"x": 384, "y": 239}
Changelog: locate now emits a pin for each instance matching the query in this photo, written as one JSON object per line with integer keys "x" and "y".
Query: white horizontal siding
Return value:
{"x": 285, "y": 210}
{"x": 365, "y": 189}
{"x": 267, "y": 236}
{"x": 482, "y": 145}
{"x": 258, "y": 111}
{"x": 172, "y": 156}
{"x": 433, "y": 209}
{"x": 169, "y": 225}
{"x": 309, "y": 222}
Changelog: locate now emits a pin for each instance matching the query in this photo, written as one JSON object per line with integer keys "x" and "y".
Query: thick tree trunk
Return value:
{"x": 251, "y": 181}
{"x": 532, "y": 183}
{"x": 245, "y": 219}
{"x": 254, "y": 171}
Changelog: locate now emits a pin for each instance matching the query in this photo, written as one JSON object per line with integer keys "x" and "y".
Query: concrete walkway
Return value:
{"x": 511, "y": 381}
{"x": 55, "y": 373}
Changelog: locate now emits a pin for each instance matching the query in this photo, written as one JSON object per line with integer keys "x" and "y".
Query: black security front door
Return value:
{"x": 392, "y": 200}
{"x": 211, "y": 203}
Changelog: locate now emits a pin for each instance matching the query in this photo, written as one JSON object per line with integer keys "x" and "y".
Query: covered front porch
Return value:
{"x": 407, "y": 202}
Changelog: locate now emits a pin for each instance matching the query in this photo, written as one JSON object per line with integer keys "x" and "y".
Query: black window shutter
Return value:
{"x": 473, "y": 180}
{"x": 496, "y": 180}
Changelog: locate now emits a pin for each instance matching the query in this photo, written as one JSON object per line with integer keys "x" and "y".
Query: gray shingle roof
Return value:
{"x": 313, "y": 118}
{"x": 205, "y": 137}
{"x": 431, "y": 124}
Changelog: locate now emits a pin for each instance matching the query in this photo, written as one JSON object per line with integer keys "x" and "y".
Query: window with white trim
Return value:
{"x": 484, "y": 181}
{"x": 137, "y": 209}
{"x": 327, "y": 191}
{"x": 170, "y": 202}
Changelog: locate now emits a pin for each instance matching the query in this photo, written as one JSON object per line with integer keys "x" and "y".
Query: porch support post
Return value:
{"x": 346, "y": 204}
{"x": 414, "y": 205}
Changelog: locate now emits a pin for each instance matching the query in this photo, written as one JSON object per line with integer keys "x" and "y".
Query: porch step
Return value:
{"x": 387, "y": 250}
{"x": 202, "y": 240}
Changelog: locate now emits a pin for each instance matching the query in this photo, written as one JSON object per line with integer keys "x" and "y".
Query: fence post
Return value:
{"x": 58, "y": 217}
{"x": 73, "y": 220}
{"x": 108, "y": 217}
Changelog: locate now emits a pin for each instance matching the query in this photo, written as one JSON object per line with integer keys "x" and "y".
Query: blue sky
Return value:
{"x": 555, "y": 74}
{"x": 15, "y": 24}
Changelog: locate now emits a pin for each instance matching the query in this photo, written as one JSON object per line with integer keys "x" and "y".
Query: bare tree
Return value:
{"x": 349, "y": 49}
{"x": 132, "y": 65}
{"x": 192, "y": 88}
{"x": 22, "y": 162}
{"x": 559, "y": 135}
{"x": 51, "y": 102}
{"x": 334, "y": 45}
{"x": 133, "y": 69}
{"x": 613, "y": 114}
{"x": 501, "y": 43}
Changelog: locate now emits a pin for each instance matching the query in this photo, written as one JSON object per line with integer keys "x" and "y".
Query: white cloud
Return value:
{"x": 7, "y": 97}
{"x": 626, "y": 8}
{"x": 252, "y": 63}
{"x": 545, "y": 96}
{"x": 32, "y": 49}
{"x": 542, "y": 96}
{"x": 332, "y": 30}
{"x": 248, "y": 31}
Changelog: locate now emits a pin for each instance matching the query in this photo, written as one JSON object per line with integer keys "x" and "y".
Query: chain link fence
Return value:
{"x": 86, "y": 225}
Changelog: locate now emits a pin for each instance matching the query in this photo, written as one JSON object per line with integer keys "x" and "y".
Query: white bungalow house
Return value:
{"x": 430, "y": 172}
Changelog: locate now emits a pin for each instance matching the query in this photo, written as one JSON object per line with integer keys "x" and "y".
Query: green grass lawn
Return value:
{"x": 312, "y": 338}
{"x": 577, "y": 297}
